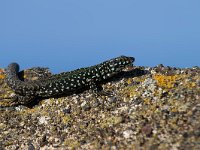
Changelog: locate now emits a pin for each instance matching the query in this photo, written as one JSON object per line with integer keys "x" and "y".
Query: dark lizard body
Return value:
{"x": 66, "y": 82}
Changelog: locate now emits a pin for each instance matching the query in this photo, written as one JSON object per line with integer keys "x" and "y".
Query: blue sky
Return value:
{"x": 68, "y": 34}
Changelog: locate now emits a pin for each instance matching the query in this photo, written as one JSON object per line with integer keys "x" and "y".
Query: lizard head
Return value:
{"x": 121, "y": 63}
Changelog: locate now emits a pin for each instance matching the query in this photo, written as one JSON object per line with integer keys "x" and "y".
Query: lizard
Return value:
{"x": 66, "y": 82}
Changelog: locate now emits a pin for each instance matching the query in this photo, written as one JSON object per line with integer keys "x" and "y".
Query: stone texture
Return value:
{"x": 150, "y": 108}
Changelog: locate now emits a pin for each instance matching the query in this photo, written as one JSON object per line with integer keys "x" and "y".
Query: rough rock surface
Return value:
{"x": 150, "y": 108}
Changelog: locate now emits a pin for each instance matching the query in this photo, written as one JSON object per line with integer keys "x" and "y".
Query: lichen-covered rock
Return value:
{"x": 151, "y": 108}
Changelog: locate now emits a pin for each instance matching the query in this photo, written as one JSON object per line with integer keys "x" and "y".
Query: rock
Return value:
{"x": 150, "y": 108}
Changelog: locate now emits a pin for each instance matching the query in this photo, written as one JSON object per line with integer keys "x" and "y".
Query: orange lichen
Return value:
{"x": 2, "y": 76}
{"x": 166, "y": 81}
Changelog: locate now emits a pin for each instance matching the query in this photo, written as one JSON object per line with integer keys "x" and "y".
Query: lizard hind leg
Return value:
{"x": 98, "y": 90}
